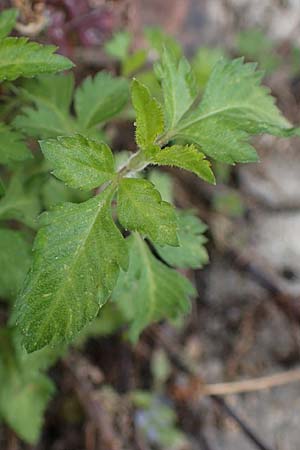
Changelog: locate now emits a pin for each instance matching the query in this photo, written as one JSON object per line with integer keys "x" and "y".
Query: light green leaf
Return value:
{"x": 18, "y": 57}
{"x": 77, "y": 255}
{"x": 50, "y": 117}
{"x": 52, "y": 91}
{"x": 21, "y": 201}
{"x": 8, "y": 20}
{"x": 191, "y": 252}
{"x": 204, "y": 62}
{"x": 149, "y": 291}
{"x": 134, "y": 62}
{"x": 149, "y": 117}
{"x": 234, "y": 106}
{"x": 140, "y": 208}
{"x": 12, "y": 147}
{"x": 118, "y": 46}
{"x": 159, "y": 40}
{"x": 163, "y": 182}
{"x": 100, "y": 98}
{"x": 78, "y": 161}
{"x": 186, "y": 157}
{"x": 178, "y": 87}
{"x": 42, "y": 122}
{"x": 25, "y": 390}
{"x": 15, "y": 257}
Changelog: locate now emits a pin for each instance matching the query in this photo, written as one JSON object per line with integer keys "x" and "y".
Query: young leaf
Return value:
{"x": 149, "y": 116}
{"x": 12, "y": 147}
{"x": 100, "y": 98}
{"x": 25, "y": 390}
{"x": 177, "y": 86}
{"x": 15, "y": 257}
{"x": 191, "y": 252}
{"x": 21, "y": 201}
{"x": 77, "y": 255}
{"x": 78, "y": 161}
{"x": 149, "y": 291}
{"x": 8, "y": 20}
{"x": 140, "y": 208}
{"x": 234, "y": 106}
{"x": 186, "y": 157}
{"x": 20, "y": 58}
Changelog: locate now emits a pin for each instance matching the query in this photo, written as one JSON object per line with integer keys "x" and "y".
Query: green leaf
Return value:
{"x": 163, "y": 182}
{"x": 25, "y": 390}
{"x": 140, "y": 208}
{"x": 191, "y": 252}
{"x": 8, "y": 20}
{"x": 77, "y": 255}
{"x": 52, "y": 96}
{"x": 78, "y": 161}
{"x": 149, "y": 291}
{"x": 18, "y": 57}
{"x": 177, "y": 85}
{"x": 234, "y": 106}
{"x": 55, "y": 191}
{"x": 2, "y": 188}
{"x": 12, "y": 147}
{"x": 149, "y": 116}
{"x": 43, "y": 122}
{"x": 100, "y": 98}
{"x": 204, "y": 62}
{"x": 21, "y": 201}
{"x": 53, "y": 91}
{"x": 118, "y": 46}
{"x": 134, "y": 62}
{"x": 15, "y": 258}
{"x": 186, "y": 157}
{"x": 159, "y": 40}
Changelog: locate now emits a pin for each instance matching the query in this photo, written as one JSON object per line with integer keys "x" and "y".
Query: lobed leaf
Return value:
{"x": 12, "y": 146}
{"x": 20, "y": 58}
{"x": 234, "y": 106}
{"x": 140, "y": 208}
{"x": 186, "y": 157}
{"x": 149, "y": 291}
{"x": 100, "y": 98}
{"x": 191, "y": 252}
{"x": 78, "y": 161}
{"x": 77, "y": 256}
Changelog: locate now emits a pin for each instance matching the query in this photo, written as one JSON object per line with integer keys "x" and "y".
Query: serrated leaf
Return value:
{"x": 52, "y": 91}
{"x": 100, "y": 98}
{"x": 149, "y": 291}
{"x": 43, "y": 122}
{"x": 149, "y": 117}
{"x": 8, "y": 20}
{"x": 234, "y": 106}
{"x": 51, "y": 95}
{"x": 186, "y": 157}
{"x": 191, "y": 252}
{"x": 18, "y": 57}
{"x": 178, "y": 87}
{"x": 15, "y": 258}
{"x": 21, "y": 201}
{"x": 77, "y": 255}
{"x": 141, "y": 208}
{"x": 78, "y": 161}
{"x": 55, "y": 191}
{"x": 25, "y": 390}
{"x": 12, "y": 146}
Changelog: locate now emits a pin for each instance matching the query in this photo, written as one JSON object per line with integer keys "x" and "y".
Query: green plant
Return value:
{"x": 81, "y": 257}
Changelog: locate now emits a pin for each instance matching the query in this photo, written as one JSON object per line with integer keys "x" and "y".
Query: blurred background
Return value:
{"x": 245, "y": 323}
